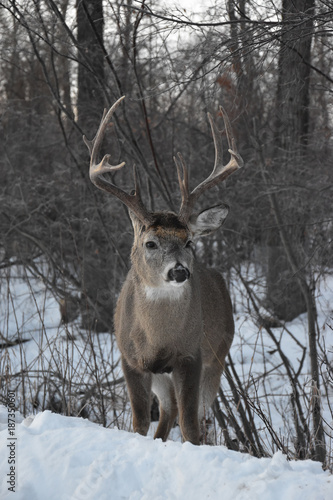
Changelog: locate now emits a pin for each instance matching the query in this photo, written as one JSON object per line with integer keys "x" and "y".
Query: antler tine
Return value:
{"x": 97, "y": 170}
{"x": 220, "y": 172}
{"x": 182, "y": 172}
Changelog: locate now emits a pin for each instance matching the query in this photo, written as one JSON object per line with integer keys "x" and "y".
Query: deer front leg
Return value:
{"x": 186, "y": 376}
{"x": 139, "y": 388}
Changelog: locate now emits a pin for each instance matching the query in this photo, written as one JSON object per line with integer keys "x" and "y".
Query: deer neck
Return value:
{"x": 168, "y": 307}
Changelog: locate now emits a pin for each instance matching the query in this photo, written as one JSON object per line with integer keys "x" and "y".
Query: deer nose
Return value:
{"x": 178, "y": 273}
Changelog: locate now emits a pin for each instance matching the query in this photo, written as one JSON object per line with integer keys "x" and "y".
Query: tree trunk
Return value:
{"x": 97, "y": 301}
{"x": 290, "y": 140}
{"x": 289, "y": 292}
{"x": 90, "y": 103}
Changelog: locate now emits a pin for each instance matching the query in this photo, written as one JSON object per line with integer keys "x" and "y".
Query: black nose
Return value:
{"x": 179, "y": 273}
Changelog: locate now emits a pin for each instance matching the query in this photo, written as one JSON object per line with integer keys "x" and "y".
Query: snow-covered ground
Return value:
{"x": 68, "y": 458}
{"x": 71, "y": 458}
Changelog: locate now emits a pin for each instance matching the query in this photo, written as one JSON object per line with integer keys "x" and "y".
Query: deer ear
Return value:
{"x": 208, "y": 221}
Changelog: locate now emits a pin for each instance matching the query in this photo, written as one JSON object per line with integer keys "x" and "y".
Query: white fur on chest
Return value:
{"x": 168, "y": 291}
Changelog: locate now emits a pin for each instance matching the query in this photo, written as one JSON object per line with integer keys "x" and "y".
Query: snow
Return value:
{"x": 71, "y": 458}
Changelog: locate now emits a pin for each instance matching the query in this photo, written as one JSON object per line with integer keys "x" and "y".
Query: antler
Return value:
{"x": 220, "y": 172}
{"x": 96, "y": 171}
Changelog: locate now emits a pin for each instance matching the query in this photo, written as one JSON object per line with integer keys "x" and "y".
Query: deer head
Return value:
{"x": 198, "y": 224}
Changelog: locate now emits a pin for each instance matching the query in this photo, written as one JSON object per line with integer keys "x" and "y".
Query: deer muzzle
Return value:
{"x": 179, "y": 273}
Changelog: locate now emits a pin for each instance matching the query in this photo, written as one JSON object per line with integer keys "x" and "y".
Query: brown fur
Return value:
{"x": 172, "y": 339}
{"x": 173, "y": 319}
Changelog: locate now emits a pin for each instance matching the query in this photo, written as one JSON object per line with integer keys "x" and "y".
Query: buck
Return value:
{"x": 173, "y": 319}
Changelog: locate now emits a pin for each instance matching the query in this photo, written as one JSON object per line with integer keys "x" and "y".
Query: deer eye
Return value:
{"x": 151, "y": 245}
{"x": 189, "y": 244}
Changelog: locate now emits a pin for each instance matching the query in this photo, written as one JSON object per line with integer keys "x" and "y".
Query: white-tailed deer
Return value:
{"x": 173, "y": 320}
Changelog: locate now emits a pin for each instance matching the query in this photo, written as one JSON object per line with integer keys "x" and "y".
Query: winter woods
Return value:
{"x": 62, "y": 62}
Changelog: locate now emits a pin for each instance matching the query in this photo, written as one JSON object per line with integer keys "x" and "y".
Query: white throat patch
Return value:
{"x": 170, "y": 290}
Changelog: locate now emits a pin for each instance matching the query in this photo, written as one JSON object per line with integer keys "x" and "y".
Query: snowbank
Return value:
{"x": 66, "y": 458}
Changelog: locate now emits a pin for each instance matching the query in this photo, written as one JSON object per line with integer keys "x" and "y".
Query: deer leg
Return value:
{"x": 164, "y": 390}
{"x": 186, "y": 376}
{"x": 139, "y": 388}
{"x": 209, "y": 385}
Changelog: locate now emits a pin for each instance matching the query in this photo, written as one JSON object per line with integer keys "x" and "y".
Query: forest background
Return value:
{"x": 271, "y": 66}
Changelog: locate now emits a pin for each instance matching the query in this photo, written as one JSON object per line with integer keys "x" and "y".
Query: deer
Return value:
{"x": 173, "y": 320}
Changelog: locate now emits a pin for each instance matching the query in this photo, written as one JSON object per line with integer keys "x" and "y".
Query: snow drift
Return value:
{"x": 70, "y": 458}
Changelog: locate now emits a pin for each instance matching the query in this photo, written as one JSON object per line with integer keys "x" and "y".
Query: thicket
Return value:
{"x": 62, "y": 62}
